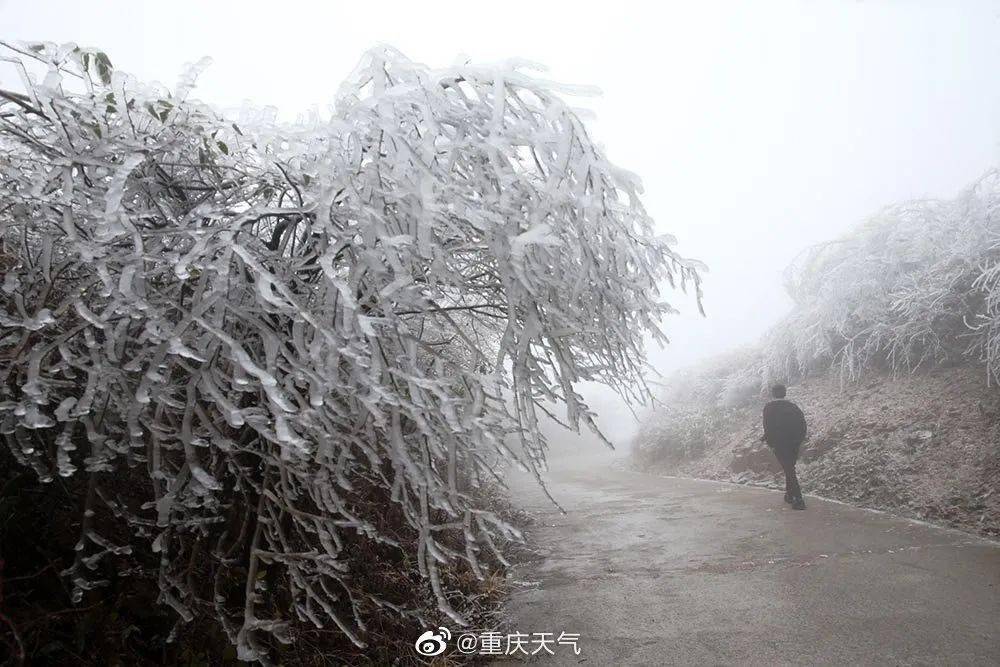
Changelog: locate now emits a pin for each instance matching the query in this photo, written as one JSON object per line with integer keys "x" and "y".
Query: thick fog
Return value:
{"x": 757, "y": 129}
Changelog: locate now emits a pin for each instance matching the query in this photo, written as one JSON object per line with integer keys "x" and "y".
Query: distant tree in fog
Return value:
{"x": 915, "y": 286}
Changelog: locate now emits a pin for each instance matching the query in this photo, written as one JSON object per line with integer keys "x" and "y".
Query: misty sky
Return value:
{"x": 757, "y": 128}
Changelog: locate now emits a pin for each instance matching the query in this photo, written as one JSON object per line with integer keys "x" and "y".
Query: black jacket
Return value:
{"x": 784, "y": 424}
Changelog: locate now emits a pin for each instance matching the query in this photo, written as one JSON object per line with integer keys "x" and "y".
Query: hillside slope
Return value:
{"x": 925, "y": 445}
{"x": 892, "y": 349}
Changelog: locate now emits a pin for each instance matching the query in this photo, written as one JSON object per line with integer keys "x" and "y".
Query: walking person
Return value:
{"x": 784, "y": 432}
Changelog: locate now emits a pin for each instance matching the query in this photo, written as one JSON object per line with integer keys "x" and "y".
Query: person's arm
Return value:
{"x": 764, "y": 437}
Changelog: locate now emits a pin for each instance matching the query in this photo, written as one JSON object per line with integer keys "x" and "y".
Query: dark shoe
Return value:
{"x": 798, "y": 504}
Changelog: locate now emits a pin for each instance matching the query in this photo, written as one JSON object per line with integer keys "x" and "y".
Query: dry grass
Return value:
{"x": 123, "y": 624}
{"x": 925, "y": 446}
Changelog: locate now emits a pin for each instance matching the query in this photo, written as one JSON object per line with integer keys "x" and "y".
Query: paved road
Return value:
{"x": 652, "y": 571}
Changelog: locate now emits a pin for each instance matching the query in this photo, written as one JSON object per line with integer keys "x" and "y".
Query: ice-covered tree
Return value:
{"x": 915, "y": 286}
{"x": 255, "y": 339}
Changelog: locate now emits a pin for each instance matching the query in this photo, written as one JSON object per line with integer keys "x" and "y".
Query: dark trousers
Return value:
{"x": 787, "y": 456}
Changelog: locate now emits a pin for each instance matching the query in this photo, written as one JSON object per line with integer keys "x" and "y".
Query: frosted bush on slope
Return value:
{"x": 259, "y": 317}
{"x": 915, "y": 286}
{"x": 903, "y": 291}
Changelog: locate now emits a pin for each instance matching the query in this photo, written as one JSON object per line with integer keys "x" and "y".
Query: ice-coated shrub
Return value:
{"x": 915, "y": 286}
{"x": 907, "y": 289}
{"x": 233, "y": 328}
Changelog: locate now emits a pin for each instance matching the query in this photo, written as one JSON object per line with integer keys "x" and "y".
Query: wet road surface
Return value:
{"x": 653, "y": 571}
